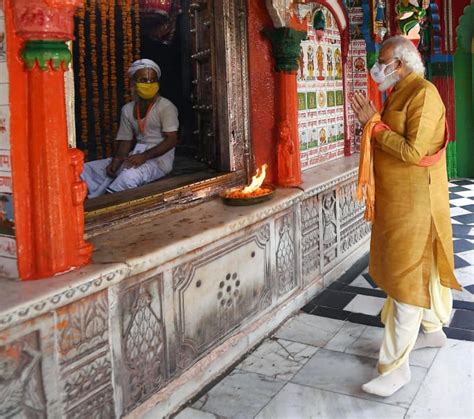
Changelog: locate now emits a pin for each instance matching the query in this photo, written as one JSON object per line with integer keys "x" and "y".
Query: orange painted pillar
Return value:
{"x": 289, "y": 159}
{"x": 51, "y": 227}
{"x": 286, "y": 50}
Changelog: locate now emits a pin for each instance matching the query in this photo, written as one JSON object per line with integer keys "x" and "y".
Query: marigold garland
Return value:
{"x": 104, "y": 12}
{"x": 127, "y": 48}
{"x": 113, "y": 66}
{"x": 81, "y": 14}
{"x": 95, "y": 80}
{"x": 136, "y": 10}
{"x": 104, "y": 90}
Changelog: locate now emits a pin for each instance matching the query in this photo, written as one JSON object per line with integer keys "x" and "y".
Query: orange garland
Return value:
{"x": 81, "y": 13}
{"x": 108, "y": 125}
{"x": 95, "y": 80}
{"x": 113, "y": 66}
{"x": 126, "y": 47}
{"x": 104, "y": 12}
{"x": 136, "y": 9}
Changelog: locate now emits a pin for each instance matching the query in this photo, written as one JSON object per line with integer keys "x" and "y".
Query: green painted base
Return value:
{"x": 286, "y": 47}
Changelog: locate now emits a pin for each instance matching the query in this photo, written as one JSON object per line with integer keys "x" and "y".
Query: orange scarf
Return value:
{"x": 366, "y": 181}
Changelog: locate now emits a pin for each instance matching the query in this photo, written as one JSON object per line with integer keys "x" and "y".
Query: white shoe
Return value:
{"x": 387, "y": 384}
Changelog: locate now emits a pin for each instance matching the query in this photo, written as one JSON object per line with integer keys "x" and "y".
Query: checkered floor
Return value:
{"x": 356, "y": 298}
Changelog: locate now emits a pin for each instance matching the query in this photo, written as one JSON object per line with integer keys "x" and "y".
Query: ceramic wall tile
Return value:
{"x": 4, "y": 92}
{"x": 3, "y": 55}
{"x": 4, "y": 127}
{"x": 8, "y": 267}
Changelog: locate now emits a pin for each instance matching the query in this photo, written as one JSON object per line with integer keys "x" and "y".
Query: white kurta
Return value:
{"x": 163, "y": 117}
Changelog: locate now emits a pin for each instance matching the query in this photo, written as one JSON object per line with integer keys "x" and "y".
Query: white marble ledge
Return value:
{"x": 23, "y": 300}
{"x": 327, "y": 175}
{"x": 135, "y": 249}
{"x": 169, "y": 236}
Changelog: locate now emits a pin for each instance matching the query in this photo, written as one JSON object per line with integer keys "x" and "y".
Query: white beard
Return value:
{"x": 389, "y": 82}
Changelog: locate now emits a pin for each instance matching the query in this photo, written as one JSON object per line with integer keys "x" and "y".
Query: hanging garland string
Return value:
{"x": 95, "y": 79}
{"x": 81, "y": 14}
{"x": 104, "y": 12}
{"x": 126, "y": 47}
{"x": 136, "y": 15}
{"x": 102, "y": 90}
{"x": 113, "y": 67}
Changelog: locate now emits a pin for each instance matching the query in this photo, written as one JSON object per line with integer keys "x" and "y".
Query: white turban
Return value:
{"x": 144, "y": 63}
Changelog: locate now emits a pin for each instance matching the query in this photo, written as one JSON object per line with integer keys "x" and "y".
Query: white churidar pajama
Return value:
{"x": 163, "y": 117}
{"x": 402, "y": 323}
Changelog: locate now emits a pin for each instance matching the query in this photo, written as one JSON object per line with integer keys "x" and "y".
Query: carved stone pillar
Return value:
{"x": 286, "y": 50}
{"x": 54, "y": 240}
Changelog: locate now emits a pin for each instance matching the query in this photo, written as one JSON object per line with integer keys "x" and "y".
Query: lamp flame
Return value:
{"x": 257, "y": 180}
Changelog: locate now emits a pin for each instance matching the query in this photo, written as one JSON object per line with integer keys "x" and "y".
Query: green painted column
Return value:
{"x": 464, "y": 91}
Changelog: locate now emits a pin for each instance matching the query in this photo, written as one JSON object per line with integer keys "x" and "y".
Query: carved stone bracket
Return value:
{"x": 279, "y": 11}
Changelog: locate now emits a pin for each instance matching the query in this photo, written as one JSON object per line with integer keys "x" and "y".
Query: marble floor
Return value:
{"x": 314, "y": 365}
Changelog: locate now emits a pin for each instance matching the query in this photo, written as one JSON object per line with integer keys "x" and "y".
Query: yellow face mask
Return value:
{"x": 147, "y": 90}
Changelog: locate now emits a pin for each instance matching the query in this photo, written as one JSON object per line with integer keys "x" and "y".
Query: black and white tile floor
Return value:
{"x": 355, "y": 297}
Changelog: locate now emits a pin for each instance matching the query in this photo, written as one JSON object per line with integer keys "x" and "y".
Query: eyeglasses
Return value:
{"x": 389, "y": 62}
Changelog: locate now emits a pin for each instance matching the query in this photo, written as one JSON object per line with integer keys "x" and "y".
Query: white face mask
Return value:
{"x": 377, "y": 72}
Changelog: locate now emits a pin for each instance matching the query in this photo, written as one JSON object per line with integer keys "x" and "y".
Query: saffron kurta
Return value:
{"x": 412, "y": 217}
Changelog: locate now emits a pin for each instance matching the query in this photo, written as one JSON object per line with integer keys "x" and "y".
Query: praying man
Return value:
{"x": 411, "y": 251}
{"x": 152, "y": 121}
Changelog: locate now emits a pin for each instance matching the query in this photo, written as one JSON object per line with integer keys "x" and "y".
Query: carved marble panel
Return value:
{"x": 329, "y": 227}
{"x": 22, "y": 392}
{"x": 99, "y": 406}
{"x": 84, "y": 357}
{"x": 286, "y": 274}
{"x": 354, "y": 234}
{"x": 349, "y": 208}
{"x": 310, "y": 237}
{"x": 215, "y": 291}
{"x": 28, "y": 373}
{"x": 82, "y": 327}
{"x": 142, "y": 340}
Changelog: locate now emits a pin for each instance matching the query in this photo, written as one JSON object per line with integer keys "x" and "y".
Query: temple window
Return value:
{"x": 201, "y": 57}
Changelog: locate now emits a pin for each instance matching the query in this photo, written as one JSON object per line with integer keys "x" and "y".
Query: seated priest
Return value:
{"x": 152, "y": 121}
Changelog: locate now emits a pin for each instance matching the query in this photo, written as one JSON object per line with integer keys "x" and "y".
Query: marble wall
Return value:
{"x": 8, "y": 261}
{"x": 141, "y": 338}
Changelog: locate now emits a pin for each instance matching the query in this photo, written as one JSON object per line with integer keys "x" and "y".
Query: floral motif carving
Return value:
{"x": 143, "y": 343}
{"x": 82, "y": 327}
{"x": 285, "y": 256}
